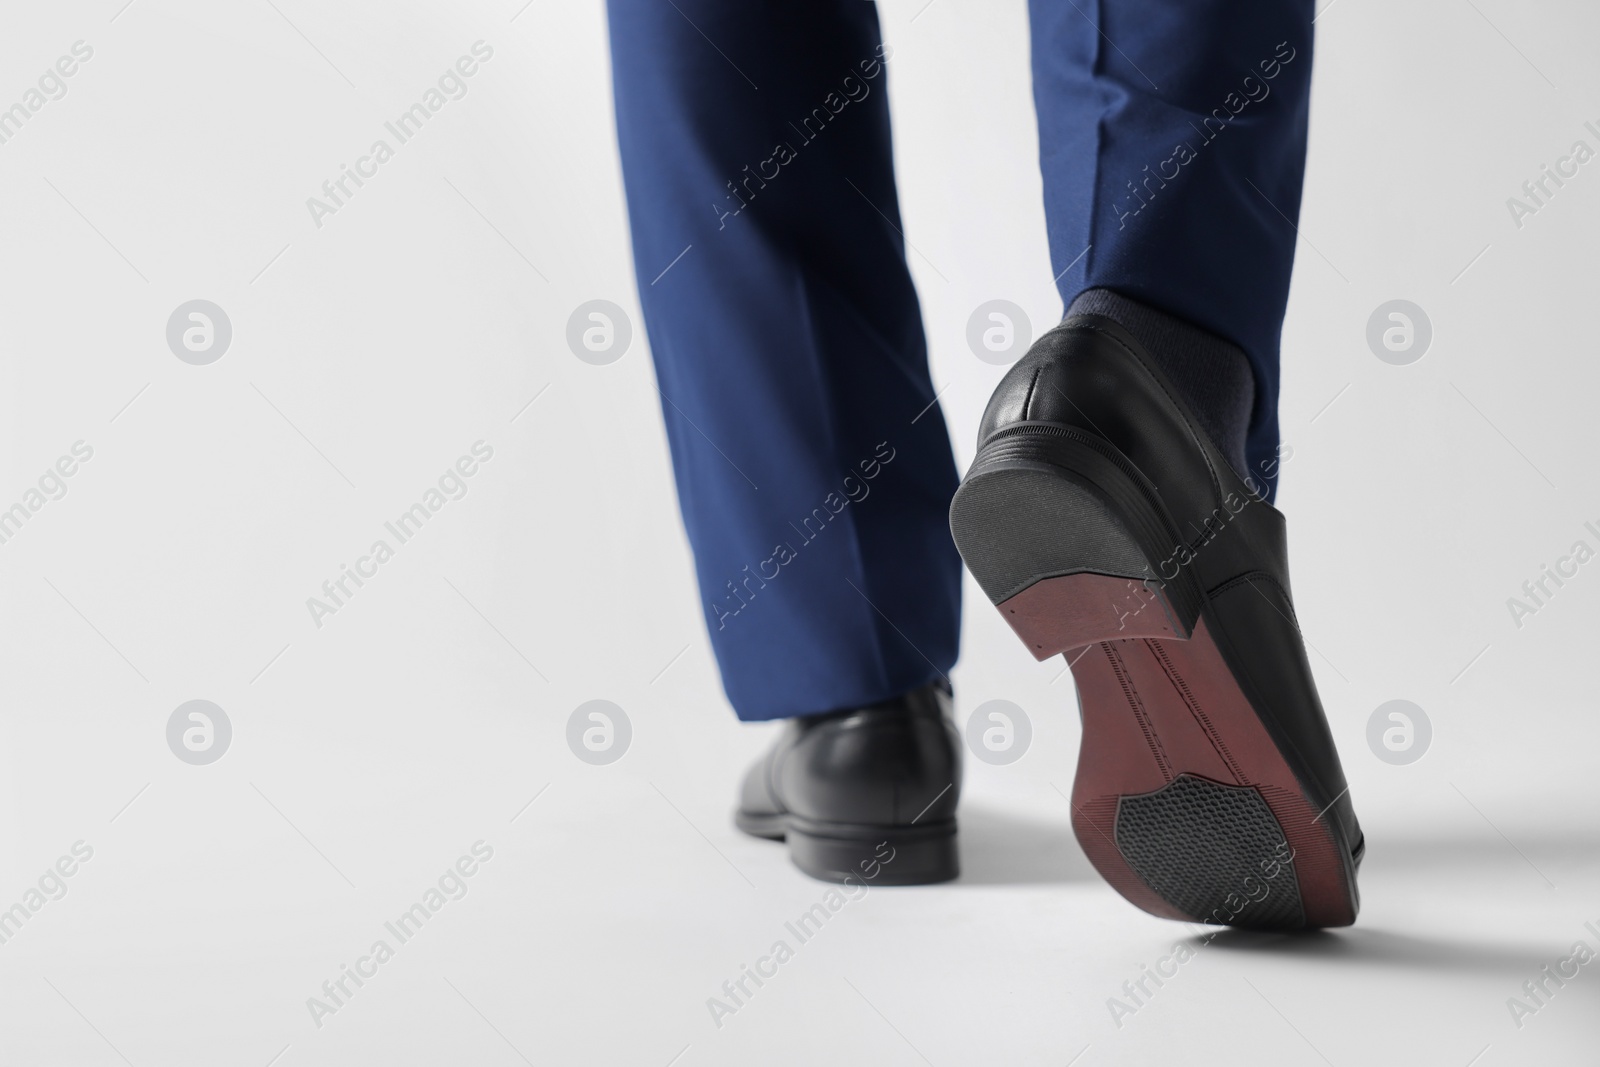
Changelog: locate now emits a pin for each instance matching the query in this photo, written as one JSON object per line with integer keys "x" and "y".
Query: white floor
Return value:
{"x": 373, "y": 748}
{"x": 616, "y": 906}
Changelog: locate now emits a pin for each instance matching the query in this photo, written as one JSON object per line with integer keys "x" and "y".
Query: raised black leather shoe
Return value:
{"x": 1104, "y": 525}
{"x": 867, "y": 794}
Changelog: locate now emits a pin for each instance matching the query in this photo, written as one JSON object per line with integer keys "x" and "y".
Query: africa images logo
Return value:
{"x": 451, "y": 85}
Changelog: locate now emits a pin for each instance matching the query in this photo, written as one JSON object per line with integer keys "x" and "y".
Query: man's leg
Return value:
{"x": 813, "y": 466}
{"x": 813, "y": 471}
{"x": 1115, "y": 509}
{"x": 1173, "y": 143}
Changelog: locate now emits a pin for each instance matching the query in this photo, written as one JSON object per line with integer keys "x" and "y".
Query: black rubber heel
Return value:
{"x": 901, "y": 855}
{"x": 1042, "y": 501}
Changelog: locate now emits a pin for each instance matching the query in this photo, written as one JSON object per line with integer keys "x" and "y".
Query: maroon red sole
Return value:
{"x": 1183, "y": 801}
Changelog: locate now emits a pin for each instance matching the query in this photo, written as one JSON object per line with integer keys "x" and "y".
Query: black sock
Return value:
{"x": 1212, "y": 375}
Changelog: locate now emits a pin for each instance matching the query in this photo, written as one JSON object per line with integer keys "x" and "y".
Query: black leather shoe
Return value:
{"x": 1104, "y": 524}
{"x": 867, "y": 795}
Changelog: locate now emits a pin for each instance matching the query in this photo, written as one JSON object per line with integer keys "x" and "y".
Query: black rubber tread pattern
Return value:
{"x": 1049, "y": 526}
{"x": 1197, "y": 843}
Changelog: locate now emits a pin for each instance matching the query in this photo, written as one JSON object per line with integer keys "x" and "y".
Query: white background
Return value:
{"x": 370, "y": 753}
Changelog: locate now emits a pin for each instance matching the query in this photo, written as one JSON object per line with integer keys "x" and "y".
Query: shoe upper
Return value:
{"x": 889, "y": 764}
{"x": 1091, "y": 375}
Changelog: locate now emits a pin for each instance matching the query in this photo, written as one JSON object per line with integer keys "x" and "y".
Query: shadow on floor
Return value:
{"x": 1549, "y": 855}
{"x": 1002, "y": 848}
{"x": 1449, "y": 858}
{"x": 1366, "y": 945}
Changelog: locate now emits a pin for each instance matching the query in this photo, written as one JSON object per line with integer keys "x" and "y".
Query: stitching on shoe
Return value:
{"x": 1198, "y": 713}
{"x": 1033, "y": 383}
{"x": 1136, "y": 705}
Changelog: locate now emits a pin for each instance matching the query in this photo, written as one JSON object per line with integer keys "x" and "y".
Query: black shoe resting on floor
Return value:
{"x": 866, "y": 795}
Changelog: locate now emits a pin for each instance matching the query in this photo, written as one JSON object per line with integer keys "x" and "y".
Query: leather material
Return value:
{"x": 887, "y": 765}
{"x": 1090, "y": 374}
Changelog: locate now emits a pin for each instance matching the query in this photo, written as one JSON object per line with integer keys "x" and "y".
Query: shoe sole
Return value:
{"x": 862, "y": 853}
{"x": 1183, "y": 801}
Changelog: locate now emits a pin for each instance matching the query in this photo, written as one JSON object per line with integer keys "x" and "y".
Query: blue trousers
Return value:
{"x": 813, "y": 465}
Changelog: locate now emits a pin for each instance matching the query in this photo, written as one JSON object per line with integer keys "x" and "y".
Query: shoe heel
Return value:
{"x": 1068, "y": 544}
{"x": 901, "y": 855}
